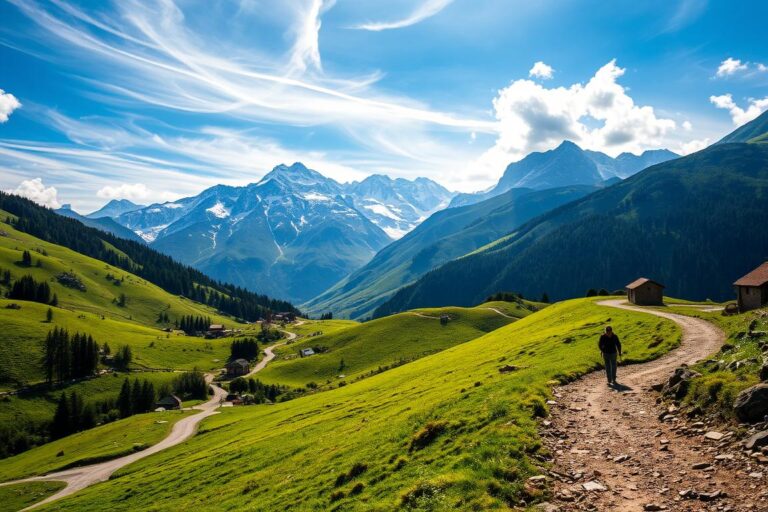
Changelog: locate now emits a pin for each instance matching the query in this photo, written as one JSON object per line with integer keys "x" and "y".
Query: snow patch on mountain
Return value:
{"x": 219, "y": 210}
{"x": 313, "y": 196}
{"x": 381, "y": 209}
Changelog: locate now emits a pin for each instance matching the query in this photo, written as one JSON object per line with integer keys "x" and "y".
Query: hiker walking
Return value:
{"x": 610, "y": 347}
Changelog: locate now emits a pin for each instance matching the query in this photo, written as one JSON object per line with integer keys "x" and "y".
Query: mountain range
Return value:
{"x": 292, "y": 234}
{"x": 299, "y": 235}
{"x": 567, "y": 165}
{"x": 446, "y": 235}
{"x": 106, "y": 224}
{"x": 692, "y": 223}
{"x": 115, "y": 208}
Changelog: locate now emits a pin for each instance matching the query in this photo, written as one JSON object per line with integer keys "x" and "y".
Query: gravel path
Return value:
{"x": 82, "y": 477}
{"x": 613, "y": 442}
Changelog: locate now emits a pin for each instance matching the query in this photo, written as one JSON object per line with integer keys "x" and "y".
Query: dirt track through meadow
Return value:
{"x": 615, "y": 439}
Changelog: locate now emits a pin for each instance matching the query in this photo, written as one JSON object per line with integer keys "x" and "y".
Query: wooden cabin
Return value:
{"x": 752, "y": 289}
{"x": 238, "y": 367}
{"x": 169, "y": 403}
{"x": 645, "y": 292}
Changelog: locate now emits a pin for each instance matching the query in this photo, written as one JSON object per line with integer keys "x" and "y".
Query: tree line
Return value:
{"x": 137, "y": 398}
{"x": 261, "y": 392}
{"x": 69, "y": 357}
{"x": 245, "y": 348}
{"x": 27, "y": 288}
{"x": 139, "y": 259}
{"x": 72, "y": 415}
{"x": 193, "y": 324}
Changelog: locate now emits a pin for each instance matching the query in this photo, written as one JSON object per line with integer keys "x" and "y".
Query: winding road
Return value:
{"x": 614, "y": 438}
{"x": 85, "y": 476}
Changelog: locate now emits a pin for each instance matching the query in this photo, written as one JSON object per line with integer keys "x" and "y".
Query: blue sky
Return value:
{"x": 153, "y": 100}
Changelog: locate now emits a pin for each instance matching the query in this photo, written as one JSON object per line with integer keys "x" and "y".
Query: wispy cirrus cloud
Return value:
{"x": 425, "y": 10}
{"x": 153, "y": 58}
{"x": 133, "y": 56}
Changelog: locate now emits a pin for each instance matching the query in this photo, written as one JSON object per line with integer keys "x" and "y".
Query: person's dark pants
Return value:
{"x": 610, "y": 366}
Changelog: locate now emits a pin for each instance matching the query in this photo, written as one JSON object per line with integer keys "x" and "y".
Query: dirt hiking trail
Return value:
{"x": 613, "y": 453}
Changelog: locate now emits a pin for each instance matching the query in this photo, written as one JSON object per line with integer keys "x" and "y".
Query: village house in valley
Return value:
{"x": 752, "y": 289}
{"x": 645, "y": 292}
{"x": 238, "y": 367}
{"x": 169, "y": 403}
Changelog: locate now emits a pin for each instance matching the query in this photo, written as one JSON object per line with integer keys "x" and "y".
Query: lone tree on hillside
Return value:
{"x": 123, "y": 357}
{"x": 49, "y": 315}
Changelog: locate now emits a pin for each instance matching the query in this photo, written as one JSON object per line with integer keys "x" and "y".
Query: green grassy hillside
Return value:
{"x": 91, "y": 446}
{"x": 95, "y": 311}
{"x": 21, "y": 342}
{"x": 307, "y": 327}
{"x": 144, "y": 300}
{"x": 19, "y": 496}
{"x": 39, "y": 404}
{"x": 382, "y": 343}
{"x": 448, "y": 431}
{"x": 734, "y": 368}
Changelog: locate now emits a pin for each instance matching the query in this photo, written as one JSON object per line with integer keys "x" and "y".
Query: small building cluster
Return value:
{"x": 751, "y": 290}
{"x": 217, "y": 331}
{"x": 284, "y": 316}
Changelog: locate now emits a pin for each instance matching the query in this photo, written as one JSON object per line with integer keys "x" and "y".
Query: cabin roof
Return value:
{"x": 641, "y": 281}
{"x": 757, "y": 277}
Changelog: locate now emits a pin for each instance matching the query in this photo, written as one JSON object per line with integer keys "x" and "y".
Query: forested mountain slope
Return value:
{"x": 136, "y": 258}
{"x": 447, "y": 234}
{"x": 693, "y": 223}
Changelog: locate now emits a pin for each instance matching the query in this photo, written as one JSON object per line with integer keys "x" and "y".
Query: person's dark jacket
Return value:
{"x": 609, "y": 344}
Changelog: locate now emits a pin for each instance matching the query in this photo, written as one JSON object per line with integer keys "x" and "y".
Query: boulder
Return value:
{"x": 677, "y": 385}
{"x": 751, "y": 405}
{"x": 764, "y": 372}
{"x": 757, "y": 441}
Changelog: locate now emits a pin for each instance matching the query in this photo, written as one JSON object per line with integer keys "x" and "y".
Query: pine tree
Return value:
{"x": 55, "y": 300}
{"x": 61, "y": 426}
{"x": 26, "y": 259}
{"x": 124, "y": 400}
{"x": 49, "y": 357}
{"x": 136, "y": 397}
{"x": 147, "y": 396}
{"x": 75, "y": 412}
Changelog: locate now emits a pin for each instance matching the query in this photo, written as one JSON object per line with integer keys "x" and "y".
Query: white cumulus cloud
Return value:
{"x": 731, "y": 66}
{"x": 8, "y": 103}
{"x": 35, "y": 190}
{"x": 131, "y": 191}
{"x": 692, "y": 146}
{"x": 739, "y": 115}
{"x": 598, "y": 115}
{"x": 541, "y": 70}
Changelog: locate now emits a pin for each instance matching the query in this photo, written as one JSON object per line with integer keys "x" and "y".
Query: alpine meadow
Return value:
{"x": 418, "y": 255}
